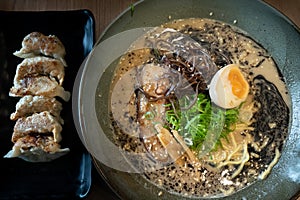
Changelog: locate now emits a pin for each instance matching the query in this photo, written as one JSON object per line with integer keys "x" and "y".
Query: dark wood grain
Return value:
{"x": 290, "y": 8}
{"x": 104, "y": 12}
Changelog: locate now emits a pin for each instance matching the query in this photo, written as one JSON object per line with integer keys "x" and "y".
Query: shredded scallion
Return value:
{"x": 197, "y": 120}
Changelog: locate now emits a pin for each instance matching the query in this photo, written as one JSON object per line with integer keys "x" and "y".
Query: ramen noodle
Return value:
{"x": 167, "y": 73}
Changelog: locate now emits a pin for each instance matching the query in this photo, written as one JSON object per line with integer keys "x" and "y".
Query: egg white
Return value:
{"x": 220, "y": 89}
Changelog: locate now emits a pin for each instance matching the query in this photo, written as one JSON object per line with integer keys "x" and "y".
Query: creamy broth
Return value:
{"x": 247, "y": 154}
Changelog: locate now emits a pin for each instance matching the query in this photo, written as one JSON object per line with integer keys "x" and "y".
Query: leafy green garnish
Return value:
{"x": 195, "y": 123}
{"x": 131, "y": 9}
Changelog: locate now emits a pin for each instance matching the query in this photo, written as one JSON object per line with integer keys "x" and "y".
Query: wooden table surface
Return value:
{"x": 104, "y": 12}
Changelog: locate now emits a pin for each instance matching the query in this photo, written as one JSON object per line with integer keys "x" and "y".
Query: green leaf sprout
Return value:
{"x": 195, "y": 122}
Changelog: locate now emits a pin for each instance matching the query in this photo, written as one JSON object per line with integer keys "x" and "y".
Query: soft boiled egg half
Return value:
{"x": 228, "y": 88}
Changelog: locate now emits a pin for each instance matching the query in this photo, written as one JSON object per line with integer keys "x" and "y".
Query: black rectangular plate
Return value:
{"x": 68, "y": 177}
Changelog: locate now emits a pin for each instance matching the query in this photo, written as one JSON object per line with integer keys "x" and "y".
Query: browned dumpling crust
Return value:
{"x": 37, "y": 43}
{"x": 38, "y": 66}
{"x": 37, "y": 148}
{"x": 38, "y": 81}
{"x": 29, "y": 105}
{"x": 42, "y": 123}
{"x": 39, "y": 85}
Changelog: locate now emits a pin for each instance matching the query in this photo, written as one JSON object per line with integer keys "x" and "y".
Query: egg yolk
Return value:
{"x": 238, "y": 83}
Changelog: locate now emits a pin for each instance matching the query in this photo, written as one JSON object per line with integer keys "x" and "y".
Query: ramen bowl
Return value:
{"x": 91, "y": 94}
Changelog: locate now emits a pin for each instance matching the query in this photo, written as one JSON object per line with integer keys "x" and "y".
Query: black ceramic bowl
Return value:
{"x": 264, "y": 24}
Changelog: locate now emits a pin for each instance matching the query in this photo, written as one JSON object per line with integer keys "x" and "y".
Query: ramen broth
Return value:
{"x": 247, "y": 154}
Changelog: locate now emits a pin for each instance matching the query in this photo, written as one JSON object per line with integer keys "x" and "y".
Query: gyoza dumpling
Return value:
{"x": 29, "y": 105}
{"x": 39, "y": 86}
{"x": 40, "y": 65}
{"x": 37, "y": 148}
{"x": 39, "y": 123}
{"x": 36, "y": 43}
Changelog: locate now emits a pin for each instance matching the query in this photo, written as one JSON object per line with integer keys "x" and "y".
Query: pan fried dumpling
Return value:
{"x": 29, "y": 105}
{"x": 38, "y": 81}
{"x": 37, "y": 148}
{"x": 39, "y": 65}
{"x": 41, "y": 123}
{"x": 37, "y": 43}
{"x": 40, "y": 86}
